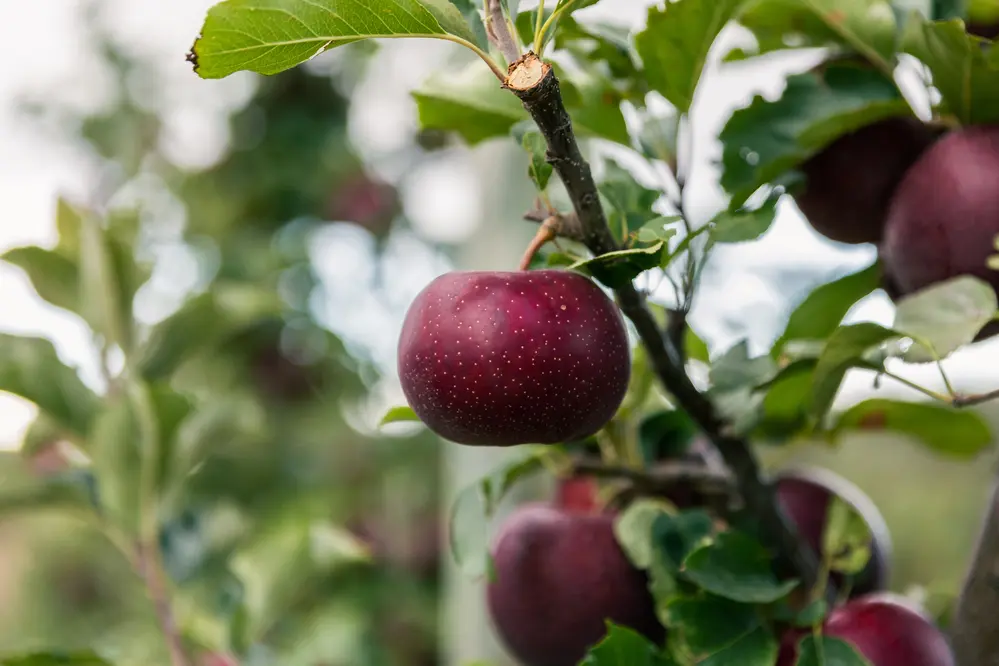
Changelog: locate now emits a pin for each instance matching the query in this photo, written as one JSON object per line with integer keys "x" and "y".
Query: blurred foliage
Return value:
{"x": 262, "y": 470}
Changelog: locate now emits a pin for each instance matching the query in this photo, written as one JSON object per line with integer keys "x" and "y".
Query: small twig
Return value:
{"x": 499, "y": 31}
{"x": 149, "y": 568}
{"x": 546, "y": 232}
{"x": 536, "y": 85}
{"x": 568, "y": 224}
{"x": 916, "y": 387}
{"x": 971, "y": 400}
{"x": 662, "y": 475}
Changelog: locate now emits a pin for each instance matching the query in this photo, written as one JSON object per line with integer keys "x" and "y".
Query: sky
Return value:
{"x": 443, "y": 197}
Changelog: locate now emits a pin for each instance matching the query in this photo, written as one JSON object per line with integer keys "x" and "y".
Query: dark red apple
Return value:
{"x": 849, "y": 183}
{"x": 499, "y": 359}
{"x": 578, "y": 493}
{"x": 944, "y": 215}
{"x": 885, "y": 629}
{"x": 560, "y": 575}
{"x": 805, "y": 495}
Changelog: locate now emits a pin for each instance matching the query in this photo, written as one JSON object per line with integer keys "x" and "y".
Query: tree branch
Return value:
{"x": 975, "y": 624}
{"x": 147, "y": 563}
{"x": 662, "y": 476}
{"x": 536, "y": 85}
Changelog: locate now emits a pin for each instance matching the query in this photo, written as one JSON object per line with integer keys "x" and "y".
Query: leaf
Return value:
{"x": 657, "y": 229}
{"x": 676, "y": 536}
{"x": 470, "y": 102}
{"x": 55, "y": 659}
{"x": 745, "y": 224}
{"x": 101, "y": 294}
{"x": 470, "y": 10}
{"x": 594, "y": 105}
{"x": 630, "y": 203}
{"x": 468, "y": 531}
{"x": 708, "y": 623}
{"x": 657, "y": 137}
{"x": 397, "y": 414}
{"x": 736, "y": 567}
{"x": 623, "y": 647}
{"x": 607, "y": 50}
{"x": 270, "y": 36}
{"x": 846, "y": 539}
{"x": 823, "y": 309}
{"x": 54, "y": 277}
{"x": 675, "y": 43}
{"x": 666, "y": 435}
{"x": 867, "y": 26}
{"x": 697, "y": 349}
{"x": 966, "y": 75}
{"x": 530, "y": 139}
{"x": 844, "y": 349}
{"x": 633, "y": 529}
{"x": 786, "y": 401}
{"x": 945, "y": 316}
{"x": 735, "y": 369}
{"x": 117, "y": 460}
{"x": 31, "y": 369}
{"x": 766, "y": 139}
{"x": 202, "y": 323}
{"x": 957, "y": 433}
{"x": 828, "y": 651}
{"x": 616, "y": 269}
{"x": 757, "y": 648}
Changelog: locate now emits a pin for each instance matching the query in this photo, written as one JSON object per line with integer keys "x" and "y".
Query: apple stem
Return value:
{"x": 534, "y": 82}
{"x": 546, "y": 232}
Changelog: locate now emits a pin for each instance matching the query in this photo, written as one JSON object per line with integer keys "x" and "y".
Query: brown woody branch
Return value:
{"x": 536, "y": 85}
{"x": 974, "y": 633}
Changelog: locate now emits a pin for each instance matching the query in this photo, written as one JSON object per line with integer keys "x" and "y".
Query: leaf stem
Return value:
{"x": 538, "y": 26}
{"x": 916, "y": 387}
{"x": 546, "y": 232}
{"x": 540, "y": 47}
{"x": 500, "y": 74}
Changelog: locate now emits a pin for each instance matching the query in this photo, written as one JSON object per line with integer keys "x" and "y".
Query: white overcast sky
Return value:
{"x": 40, "y": 50}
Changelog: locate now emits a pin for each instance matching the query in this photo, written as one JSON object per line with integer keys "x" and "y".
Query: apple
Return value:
{"x": 506, "y": 358}
{"x": 849, "y": 183}
{"x": 560, "y": 576}
{"x": 886, "y": 629}
{"x": 983, "y": 18}
{"x": 944, "y": 216}
{"x": 805, "y": 494}
{"x": 578, "y": 493}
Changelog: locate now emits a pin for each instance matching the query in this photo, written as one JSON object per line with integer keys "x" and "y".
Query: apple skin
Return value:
{"x": 885, "y": 629}
{"x": 507, "y": 358}
{"x": 578, "y": 493}
{"x": 560, "y": 575}
{"x": 849, "y": 183}
{"x": 804, "y": 494}
{"x": 945, "y": 213}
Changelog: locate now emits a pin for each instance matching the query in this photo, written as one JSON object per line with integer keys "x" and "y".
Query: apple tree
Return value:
{"x": 654, "y": 552}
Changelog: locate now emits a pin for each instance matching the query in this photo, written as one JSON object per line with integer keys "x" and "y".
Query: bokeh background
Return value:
{"x": 317, "y": 186}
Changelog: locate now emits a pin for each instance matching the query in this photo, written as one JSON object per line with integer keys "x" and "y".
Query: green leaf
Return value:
{"x": 846, "y": 540}
{"x": 623, "y": 647}
{"x": 629, "y": 202}
{"x": 475, "y": 505}
{"x": 736, "y": 567}
{"x": 675, "y": 43}
{"x": 117, "y": 459}
{"x": 957, "y": 433}
{"x": 766, "y": 139}
{"x": 697, "y": 349}
{"x": 607, "y": 50}
{"x": 55, "y": 659}
{"x": 745, "y": 224}
{"x": 657, "y": 229}
{"x": 966, "y": 75}
{"x": 31, "y": 369}
{"x": 657, "y": 137}
{"x": 539, "y": 169}
{"x": 844, "y": 349}
{"x": 707, "y": 624}
{"x": 397, "y": 414}
{"x": 202, "y": 323}
{"x": 633, "y": 529}
{"x": 54, "y": 277}
{"x": 823, "y": 309}
{"x": 616, "y": 269}
{"x": 785, "y": 404}
{"x": 757, "y": 648}
{"x": 828, "y": 651}
{"x": 471, "y": 11}
{"x": 735, "y": 369}
{"x": 676, "y": 536}
{"x": 666, "y": 435}
{"x": 270, "y": 36}
{"x": 470, "y": 102}
{"x": 101, "y": 295}
{"x": 594, "y": 105}
{"x": 945, "y": 316}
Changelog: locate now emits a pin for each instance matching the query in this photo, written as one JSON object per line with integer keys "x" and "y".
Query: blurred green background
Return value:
{"x": 290, "y": 210}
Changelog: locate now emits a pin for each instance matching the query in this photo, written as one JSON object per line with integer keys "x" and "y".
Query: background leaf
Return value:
{"x": 744, "y": 225}
{"x": 957, "y": 433}
{"x": 54, "y": 277}
{"x": 844, "y": 349}
{"x": 828, "y": 651}
{"x": 675, "y": 43}
{"x": 946, "y": 315}
{"x": 270, "y": 36}
{"x": 766, "y": 139}
{"x": 397, "y": 414}
{"x": 623, "y": 647}
{"x": 31, "y": 369}
{"x": 55, "y": 659}
{"x": 735, "y": 566}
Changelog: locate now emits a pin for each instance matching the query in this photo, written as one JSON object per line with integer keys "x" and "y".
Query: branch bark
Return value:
{"x": 537, "y": 87}
{"x": 147, "y": 563}
{"x": 975, "y": 623}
